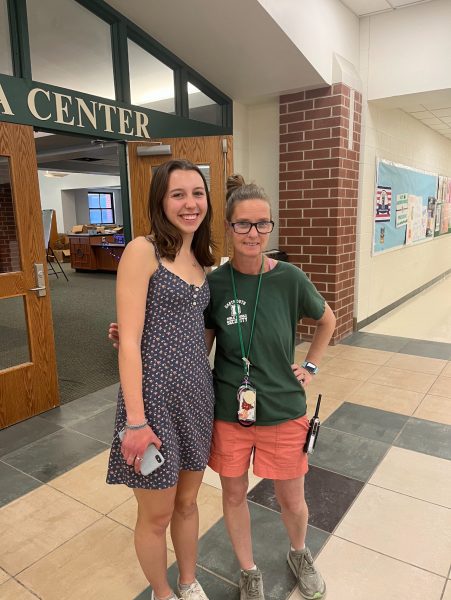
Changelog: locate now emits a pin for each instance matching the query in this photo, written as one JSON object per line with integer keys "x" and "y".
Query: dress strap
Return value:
{"x": 150, "y": 239}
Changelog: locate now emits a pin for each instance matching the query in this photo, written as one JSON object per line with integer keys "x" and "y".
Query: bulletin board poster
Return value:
{"x": 443, "y": 212}
{"x": 405, "y": 207}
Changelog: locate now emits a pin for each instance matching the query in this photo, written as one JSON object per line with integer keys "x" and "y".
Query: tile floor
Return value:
{"x": 378, "y": 489}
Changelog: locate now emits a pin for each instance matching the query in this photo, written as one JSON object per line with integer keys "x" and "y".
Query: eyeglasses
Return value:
{"x": 246, "y": 226}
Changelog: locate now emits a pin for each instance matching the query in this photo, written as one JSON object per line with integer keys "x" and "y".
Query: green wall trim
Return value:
{"x": 58, "y": 109}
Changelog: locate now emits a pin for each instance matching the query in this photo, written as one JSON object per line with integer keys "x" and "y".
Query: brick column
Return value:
{"x": 9, "y": 250}
{"x": 319, "y": 172}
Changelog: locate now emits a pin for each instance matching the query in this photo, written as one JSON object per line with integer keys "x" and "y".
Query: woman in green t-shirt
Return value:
{"x": 255, "y": 306}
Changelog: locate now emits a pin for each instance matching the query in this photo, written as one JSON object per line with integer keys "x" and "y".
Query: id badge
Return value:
{"x": 247, "y": 403}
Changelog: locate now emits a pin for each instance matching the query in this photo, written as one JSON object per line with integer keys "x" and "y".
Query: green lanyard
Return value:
{"x": 246, "y": 363}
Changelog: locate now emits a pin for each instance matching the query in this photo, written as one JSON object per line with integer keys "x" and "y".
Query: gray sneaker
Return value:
{"x": 310, "y": 583}
{"x": 251, "y": 585}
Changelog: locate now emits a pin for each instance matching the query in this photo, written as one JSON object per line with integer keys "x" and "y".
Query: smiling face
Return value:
{"x": 250, "y": 244}
{"x": 185, "y": 202}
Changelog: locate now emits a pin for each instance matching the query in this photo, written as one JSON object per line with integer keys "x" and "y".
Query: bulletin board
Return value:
{"x": 406, "y": 206}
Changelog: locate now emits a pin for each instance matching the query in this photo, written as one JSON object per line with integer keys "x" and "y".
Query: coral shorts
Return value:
{"x": 277, "y": 449}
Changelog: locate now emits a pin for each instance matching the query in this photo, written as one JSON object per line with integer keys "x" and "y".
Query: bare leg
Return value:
{"x": 185, "y": 524}
{"x": 290, "y": 495}
{"x": 154, "y": 514}
{"x": 237, "y": 518}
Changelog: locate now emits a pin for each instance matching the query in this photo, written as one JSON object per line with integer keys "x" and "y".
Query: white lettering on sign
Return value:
{"x": 62, "y": 103}
{"x": 32, "y": 103}
{"x": 4, "y": 105}
{"x": 65, "y": 109}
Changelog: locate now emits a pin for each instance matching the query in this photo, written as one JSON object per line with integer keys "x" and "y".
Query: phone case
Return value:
{"x": 152, "y": 458}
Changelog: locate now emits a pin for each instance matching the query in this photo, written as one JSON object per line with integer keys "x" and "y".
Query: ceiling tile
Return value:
{"x": 421, "y": 114}
{"x": 442, "y": 112}
{"x": 431, "y": 121}
{"x": 365, "y": 7}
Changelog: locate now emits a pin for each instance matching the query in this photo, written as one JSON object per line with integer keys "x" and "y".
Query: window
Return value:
{"x": 101, "y": 208}
{"x": 151, "y": 81}
{"x": 203, "y": 108}
{"x": 5, "y": 50}
{"x": 70, "y": 47}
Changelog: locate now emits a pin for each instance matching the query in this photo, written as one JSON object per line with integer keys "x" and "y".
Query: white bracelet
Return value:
{"x": 138, "y": 426}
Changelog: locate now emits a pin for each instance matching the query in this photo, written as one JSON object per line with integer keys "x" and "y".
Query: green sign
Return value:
{"x": 48, "y": 107}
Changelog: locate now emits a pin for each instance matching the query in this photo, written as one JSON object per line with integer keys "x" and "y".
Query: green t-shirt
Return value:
{"x": 286, "y": 295}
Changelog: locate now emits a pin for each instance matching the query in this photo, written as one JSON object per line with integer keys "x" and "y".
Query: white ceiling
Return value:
{"x": 235, "y": 45}
{"x": 363, "y": 8}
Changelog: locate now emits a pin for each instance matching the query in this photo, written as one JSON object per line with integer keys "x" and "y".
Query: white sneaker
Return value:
{"x": 173, "y": 597}
{"x": 194, "y": 592}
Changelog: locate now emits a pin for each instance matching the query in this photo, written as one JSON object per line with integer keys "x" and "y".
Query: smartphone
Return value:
{"x": 152, "y": 459}
{"x": 313, "y": 431}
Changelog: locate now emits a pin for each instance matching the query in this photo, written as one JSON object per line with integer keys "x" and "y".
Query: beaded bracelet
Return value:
{"x": 138, "y": 426}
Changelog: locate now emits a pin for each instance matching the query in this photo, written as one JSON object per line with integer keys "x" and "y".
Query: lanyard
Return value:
{"x": 246, "y": 363}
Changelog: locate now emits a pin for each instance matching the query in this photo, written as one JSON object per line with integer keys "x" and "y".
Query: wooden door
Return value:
{"x": 214, "y": 152}
{"x": 28, "y": 375}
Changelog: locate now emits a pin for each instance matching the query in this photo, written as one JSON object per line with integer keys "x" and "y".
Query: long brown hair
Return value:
{"x": 167, "y": 237}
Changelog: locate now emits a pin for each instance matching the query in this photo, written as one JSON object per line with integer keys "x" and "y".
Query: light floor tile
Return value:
{"x": 331, "y": 386}
{"x": 36, "y": 524}
{"x": 415, "y": 474}
{"x": 447, "y": 370}
{"x": 393, "y": 399}
{"x": 328, "y": 406}
{"x": 100, "y": 562}
{"x": 125, "y": 514}
{"x": 3, "y": 576}
{"x": 405, "y": 528}
{"x": 418, "y": 364}
{"x": 368, "y": 355}
{"x": 213, "y": 479}
{"x": 331, "y": 351}
{"x": 87, "y": 484}
{"x": 435, "y": 408}
{"x": 355, "y": 573}
{"x": 350, "y": 369}
{"x": 408, "y": 380}
{"x": 210, "y": 511}
{"x": 11, "y": 590}
{"x": 441, "y": 387}
{"x": 447, "y": 594}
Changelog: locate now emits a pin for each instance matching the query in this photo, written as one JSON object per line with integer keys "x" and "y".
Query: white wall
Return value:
{"x": 384, "y": 278}
{"x": 409, "y": 50}
{"x": 320, "y": 29}
{"x": 51, "y": 188}
{"x": 256, "y": 151}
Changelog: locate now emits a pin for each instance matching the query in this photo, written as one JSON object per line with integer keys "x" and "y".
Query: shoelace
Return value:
{"x": 252, "y": 586}
{"x": 306, "y": 565}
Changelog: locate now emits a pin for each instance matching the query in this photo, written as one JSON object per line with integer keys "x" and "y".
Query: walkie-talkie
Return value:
{"x": 313, "y": 430}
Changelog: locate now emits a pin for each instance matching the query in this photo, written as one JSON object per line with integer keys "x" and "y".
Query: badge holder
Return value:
{"x": 247, "y": 403}
{"x": 313, "y": 430}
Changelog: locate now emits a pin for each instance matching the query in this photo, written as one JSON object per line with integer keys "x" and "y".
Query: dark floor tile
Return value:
{"x": 328, "y": 496}
{"x": 214, "y": 587}
{"x": 14, "y": 484}
{"x": 376, "y": 341}
{"x": 99, "y": 427}
{"x": 54, "y": 455}
{"x": 429, "y": 349}
{"x": 270, "y": 543}
{"x": 427, "y": 437}
{"x": 83, "y": 408}
{"x": 379, "y": 425}
{"x": 349, "y": 455}
{"x": 20, "y": 435}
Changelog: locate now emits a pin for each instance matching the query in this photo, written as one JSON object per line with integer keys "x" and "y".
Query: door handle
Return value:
{"x": 40, "y": 289}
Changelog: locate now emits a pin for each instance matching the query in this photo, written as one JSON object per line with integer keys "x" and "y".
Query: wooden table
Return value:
{"x": 94, "y": 252}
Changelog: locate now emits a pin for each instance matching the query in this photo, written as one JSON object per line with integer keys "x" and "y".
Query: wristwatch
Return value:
{"x": 310, "y": 367}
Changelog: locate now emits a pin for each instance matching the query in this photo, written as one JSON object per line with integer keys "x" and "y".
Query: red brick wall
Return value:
{"x": 318, "y": 194}
{"x": 9, "y": 252}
